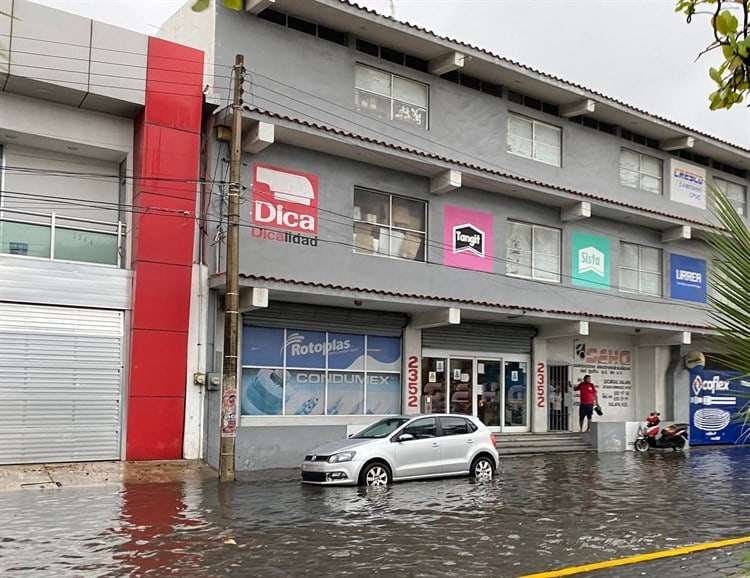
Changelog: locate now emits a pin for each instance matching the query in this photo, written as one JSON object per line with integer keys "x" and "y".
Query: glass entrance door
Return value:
{"x": 461, "y": 385}
{"x": 489, "y": 399}
{"x": 494, "y": 390}
{"x": 515, "y": 396}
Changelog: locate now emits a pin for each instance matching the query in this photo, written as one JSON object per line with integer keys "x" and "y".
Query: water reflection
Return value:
{"x": 542, "y": 512}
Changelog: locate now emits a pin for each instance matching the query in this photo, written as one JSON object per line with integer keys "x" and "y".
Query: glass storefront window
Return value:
{"x": 300, "y": 372}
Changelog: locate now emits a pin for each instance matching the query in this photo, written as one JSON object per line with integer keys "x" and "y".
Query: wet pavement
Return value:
{"x": 542, "y": 513}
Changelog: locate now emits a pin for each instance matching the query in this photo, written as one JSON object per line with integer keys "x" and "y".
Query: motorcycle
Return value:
{"x": 674, "y": 436}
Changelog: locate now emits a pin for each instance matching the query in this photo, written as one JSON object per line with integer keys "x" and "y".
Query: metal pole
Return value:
{"x": 231, "y": 297}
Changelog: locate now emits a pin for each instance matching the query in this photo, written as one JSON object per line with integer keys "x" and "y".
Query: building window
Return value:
{"x": 640, "y": 269}
{"x": 737, "y": 195}
{"x": 640, "y": 171}
{"x": 301, "y": 372}
{"x": 40, "y": 207}
{"x": 533, "y": 252}
{"x": 534, "y": 140}
{"x": 390, "y": 97}
{"x": 389, "y": 225}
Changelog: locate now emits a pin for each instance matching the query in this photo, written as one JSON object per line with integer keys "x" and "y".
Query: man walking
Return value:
{"x": 588, "y": 400}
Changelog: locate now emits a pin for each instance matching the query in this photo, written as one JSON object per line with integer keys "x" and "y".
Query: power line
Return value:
{"x": 429, "y": 244}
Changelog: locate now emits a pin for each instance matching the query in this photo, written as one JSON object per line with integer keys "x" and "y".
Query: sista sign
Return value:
{"x": 591, "y": 261}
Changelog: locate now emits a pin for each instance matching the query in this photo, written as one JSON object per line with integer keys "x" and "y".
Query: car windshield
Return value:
{"x": 382, "y": 428}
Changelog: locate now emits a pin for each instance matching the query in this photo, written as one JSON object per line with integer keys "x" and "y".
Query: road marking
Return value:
{"x": 639, "y": 558}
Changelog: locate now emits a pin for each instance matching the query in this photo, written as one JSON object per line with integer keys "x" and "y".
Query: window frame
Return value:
{"x": 532, "y": 265}
{"x": 363, "y": 225}
{"x": 724, "y": 185}
{"x": 639, "y": 270}
{"x": 534, "y": 124}
{"x": 640, "y": 172}
{"x": 391, "y": 98}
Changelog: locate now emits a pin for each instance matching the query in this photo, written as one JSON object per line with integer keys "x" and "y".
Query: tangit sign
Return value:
{"x": 284, "y": 199}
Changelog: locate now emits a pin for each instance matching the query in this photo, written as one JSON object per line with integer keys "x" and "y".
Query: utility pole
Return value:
{"x": 229, "y": 412}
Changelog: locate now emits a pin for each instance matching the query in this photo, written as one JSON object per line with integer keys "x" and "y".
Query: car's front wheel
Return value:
{"x": 375, "y": 474}
{"x": 482, "y": 468}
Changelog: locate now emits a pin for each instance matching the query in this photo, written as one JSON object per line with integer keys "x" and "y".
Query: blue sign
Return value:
{"x": 687, "y": 277}
{"x": 715, "y": 399}
{"x": 263, "y": 346}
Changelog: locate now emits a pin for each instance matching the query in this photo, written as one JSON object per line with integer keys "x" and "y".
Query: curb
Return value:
{"x": 53, "y": 476}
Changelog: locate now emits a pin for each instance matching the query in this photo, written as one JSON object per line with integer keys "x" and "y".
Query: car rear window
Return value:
{"x": 454, "y": 426}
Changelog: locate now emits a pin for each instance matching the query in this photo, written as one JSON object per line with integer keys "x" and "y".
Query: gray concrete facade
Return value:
{"x": 300, "y": 116}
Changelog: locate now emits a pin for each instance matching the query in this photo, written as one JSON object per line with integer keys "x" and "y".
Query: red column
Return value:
{"x": 167, "y": 150}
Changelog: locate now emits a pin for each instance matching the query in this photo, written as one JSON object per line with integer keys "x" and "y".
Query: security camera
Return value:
{"x": 358, "y": 302}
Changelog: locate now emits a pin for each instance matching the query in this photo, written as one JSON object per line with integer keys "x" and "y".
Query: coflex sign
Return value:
{"x": 285, "y": 199}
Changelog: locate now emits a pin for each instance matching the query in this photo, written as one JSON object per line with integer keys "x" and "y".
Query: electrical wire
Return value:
{"x": 545, "y": 286}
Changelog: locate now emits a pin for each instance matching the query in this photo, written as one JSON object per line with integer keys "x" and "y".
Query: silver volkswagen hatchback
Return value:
{"x": 405, "y": 448}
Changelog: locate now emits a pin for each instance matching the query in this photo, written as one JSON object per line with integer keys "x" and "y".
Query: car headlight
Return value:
{"x": 341, "y": 457}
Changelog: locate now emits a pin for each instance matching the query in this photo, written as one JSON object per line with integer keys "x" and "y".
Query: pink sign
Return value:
{"x": 468, "y": 239}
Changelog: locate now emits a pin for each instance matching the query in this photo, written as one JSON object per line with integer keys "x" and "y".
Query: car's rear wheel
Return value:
{"x": 375, "y": 474}
{"x": 482, "y": 468}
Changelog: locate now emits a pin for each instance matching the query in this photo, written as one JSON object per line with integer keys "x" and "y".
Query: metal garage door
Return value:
{"x": 60, "y": 384}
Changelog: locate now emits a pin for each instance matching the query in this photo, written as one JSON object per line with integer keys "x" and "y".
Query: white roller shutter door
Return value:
{"x": 60, "y": 384}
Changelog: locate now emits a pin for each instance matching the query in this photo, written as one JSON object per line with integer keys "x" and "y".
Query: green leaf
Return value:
{"x": 731, "y": 21}
{"x": 714, "y": 74}
{"x": 200, "y": 5}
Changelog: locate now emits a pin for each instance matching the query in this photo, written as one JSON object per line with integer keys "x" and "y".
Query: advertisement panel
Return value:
{"x": 687, "y": 278}
{"x": 591, "y": 261}
{"x": 285, "y": 205}
{"x": 302, "y": 372}
{"x": 715, "y": 398}
{"x": 468, "y": 238}
{"x": 609, "y": 362}
{"x": 687, "y": 184}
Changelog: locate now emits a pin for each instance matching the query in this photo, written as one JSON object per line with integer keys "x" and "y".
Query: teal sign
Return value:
{"x": 591, "y": 258}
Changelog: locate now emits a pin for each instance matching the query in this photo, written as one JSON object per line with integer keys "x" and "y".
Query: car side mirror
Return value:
{"x": 405, "y": 437}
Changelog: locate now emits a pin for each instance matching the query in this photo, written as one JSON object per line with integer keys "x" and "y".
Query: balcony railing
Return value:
{"x": 62, "y": 238}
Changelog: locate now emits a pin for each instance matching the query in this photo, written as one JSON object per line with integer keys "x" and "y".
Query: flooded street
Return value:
{"x": 543, "y": 512}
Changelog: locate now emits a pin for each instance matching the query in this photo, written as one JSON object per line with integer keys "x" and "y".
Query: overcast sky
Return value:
{"x": 637, "y": 51}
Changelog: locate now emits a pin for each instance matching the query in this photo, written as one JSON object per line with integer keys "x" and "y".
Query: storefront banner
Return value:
{"x": 687, "y": 184}
{"x": 715, "y": 399}
{"x": 346, "y": 393}
{"x": 262, "y": 391}
{"x": 383, "y": 393}
{"x": 383, "y": 353}
{"x": 609, "y": 362}
{"x": 285, "y": 199}
{"x": 263, "y": 346}
{"x": 687, "y": 278}
{"x": 590, "y": 261}
{"x": 305, "y": 392}
{"x": 305, "y": 348}
{"x": 346, "y": 351}
{"x": 468, "y": 239}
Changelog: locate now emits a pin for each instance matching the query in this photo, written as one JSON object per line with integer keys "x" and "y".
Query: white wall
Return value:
{"x": 610, "y": 361}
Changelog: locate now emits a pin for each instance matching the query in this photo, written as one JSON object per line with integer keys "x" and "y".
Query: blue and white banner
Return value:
{"x": 715, "y": 399}
{"x": 687, "y": 278}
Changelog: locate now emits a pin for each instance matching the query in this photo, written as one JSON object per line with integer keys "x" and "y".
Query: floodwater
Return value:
{"x": 542, "y": 512}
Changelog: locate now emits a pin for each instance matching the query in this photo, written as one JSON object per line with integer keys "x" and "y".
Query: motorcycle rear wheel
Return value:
{"x": 641, "y": 445}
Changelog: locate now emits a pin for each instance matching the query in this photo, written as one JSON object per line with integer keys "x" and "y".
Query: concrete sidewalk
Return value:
{"x": 43, "y": 476}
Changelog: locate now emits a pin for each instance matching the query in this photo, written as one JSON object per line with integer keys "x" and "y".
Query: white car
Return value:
{"x": 405, "y": 448}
